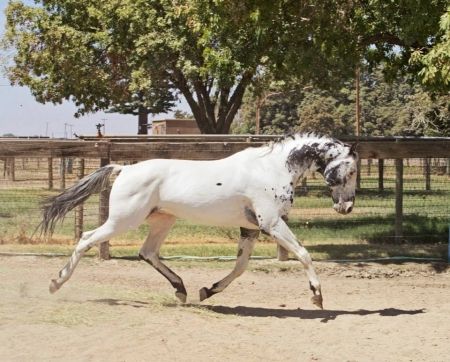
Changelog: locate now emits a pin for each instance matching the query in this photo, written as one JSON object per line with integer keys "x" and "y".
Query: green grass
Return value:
{"x": 312, "y": 219}
{"x": 318, "y": 251}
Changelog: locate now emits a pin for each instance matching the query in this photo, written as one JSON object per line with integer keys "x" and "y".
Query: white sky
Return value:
{"x": 21, "y": 115}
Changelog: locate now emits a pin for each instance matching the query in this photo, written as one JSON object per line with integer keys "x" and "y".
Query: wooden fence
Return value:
{"x": 206, "y": 147}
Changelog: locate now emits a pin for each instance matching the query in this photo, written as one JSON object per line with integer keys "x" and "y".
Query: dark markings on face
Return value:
{"x": 284, "y": 218}
{"x": 219, "y": 184}
{"x": 332, "y": 176}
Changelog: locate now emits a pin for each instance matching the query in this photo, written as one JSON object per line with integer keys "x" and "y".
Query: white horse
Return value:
{"x": 252, "y": 189}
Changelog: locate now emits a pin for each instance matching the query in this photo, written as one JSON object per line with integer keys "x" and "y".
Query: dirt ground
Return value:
{"x": 125, "y": 311}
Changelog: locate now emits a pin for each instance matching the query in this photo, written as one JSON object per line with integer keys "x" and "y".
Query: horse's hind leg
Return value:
{"x": 87, "y": 241}
{"x": 246, "y": 245}
{"x": 160, "y": 225}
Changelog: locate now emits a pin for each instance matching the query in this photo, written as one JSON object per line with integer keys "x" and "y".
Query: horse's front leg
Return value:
{"x": 245, "y": 248}
{"x": 286, "y": 238}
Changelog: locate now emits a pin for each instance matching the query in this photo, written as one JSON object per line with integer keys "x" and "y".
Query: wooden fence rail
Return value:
{"x": 210, "y": 147}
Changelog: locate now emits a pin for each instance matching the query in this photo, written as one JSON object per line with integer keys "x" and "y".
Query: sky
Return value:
{"x": 21, "y": 115}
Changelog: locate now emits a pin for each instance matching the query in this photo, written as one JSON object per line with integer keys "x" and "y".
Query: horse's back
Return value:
{"x": 209, "y": 192}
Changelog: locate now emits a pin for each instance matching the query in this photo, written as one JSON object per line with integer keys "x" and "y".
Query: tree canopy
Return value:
{"x": 387, "y": 108}
{"x": 104, "y": 54}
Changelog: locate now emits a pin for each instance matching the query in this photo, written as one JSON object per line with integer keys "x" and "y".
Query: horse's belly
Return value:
{"x": 223, "y": 213}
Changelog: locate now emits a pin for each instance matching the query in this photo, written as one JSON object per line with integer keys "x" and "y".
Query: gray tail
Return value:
{"x": 56, "y": 207}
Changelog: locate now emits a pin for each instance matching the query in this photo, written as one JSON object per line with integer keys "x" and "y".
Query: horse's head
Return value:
{"x": 340, "y": 175}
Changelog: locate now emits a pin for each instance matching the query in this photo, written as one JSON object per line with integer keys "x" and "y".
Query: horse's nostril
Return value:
{"x": 350, "y": 209}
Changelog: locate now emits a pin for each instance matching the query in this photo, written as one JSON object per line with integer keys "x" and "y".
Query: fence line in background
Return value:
{"x": 208, "y": 147}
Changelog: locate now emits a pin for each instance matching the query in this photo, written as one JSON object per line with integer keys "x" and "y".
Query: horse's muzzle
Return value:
{"x": 344, "y": 207}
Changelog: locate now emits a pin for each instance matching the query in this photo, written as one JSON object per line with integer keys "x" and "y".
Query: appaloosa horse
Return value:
{"x": 252, "y": 189}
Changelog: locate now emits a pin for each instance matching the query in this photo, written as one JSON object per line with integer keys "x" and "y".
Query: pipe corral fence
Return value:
{"x": 403, "y": 185}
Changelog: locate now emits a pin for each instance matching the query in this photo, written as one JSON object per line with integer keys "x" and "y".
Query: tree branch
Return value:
{"x": 181, "y": 83}
{"x": 224, "y": 123}
{"x": 205, "y": 103}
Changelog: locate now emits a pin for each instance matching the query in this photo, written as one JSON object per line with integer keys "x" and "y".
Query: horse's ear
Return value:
{"x": 353, "y": 148}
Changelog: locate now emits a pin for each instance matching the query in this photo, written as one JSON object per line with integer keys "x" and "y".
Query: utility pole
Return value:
{"x": 358, "y": 100}
{"x": 358, "y": 119}
{"x": 68, "y": 125}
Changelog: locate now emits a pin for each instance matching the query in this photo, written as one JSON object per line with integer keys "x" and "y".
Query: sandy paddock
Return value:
{"x": 124, "y": 311}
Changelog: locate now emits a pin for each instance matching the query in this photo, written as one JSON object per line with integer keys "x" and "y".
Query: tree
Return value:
{"x": 398, "y": 107}
{"x": 101, "y": 53}
{"x": 139, "y": 106}
{"x": 64, "y": 51}
{"x": 435, "y": 63}
{"x": 179, "y": 114}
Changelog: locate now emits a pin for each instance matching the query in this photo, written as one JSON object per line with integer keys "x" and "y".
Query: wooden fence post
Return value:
{"x": 79, "y": 209}
{"x": 10, "y": 168}
{"x": 398, "y": 199}
{"x": 62, "y": 173}
{"x": 358, "y": 175}
{"x": 380, "y": 175}
{"x": 282, "y": 253}
{"x": 427, "y": 171}
{"x": 50, "y": 173}
{"x": 103, "y": 214}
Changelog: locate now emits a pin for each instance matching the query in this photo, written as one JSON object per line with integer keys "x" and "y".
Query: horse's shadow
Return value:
{"x": 323, "y": 315}
{"x": 243, "y": 311}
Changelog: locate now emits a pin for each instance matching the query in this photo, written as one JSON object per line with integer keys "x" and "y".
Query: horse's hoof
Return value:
{"x": 204, "y": 294}
{"x": 317, "y": 300}
{"x": 181, "y": 296}
{"x": 54, "y": 286}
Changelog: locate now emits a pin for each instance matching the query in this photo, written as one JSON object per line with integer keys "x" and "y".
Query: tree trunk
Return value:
{"x": 142, "y": 120}
{"x": 204, "y": 108}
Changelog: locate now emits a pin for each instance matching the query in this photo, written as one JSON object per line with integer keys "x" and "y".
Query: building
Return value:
{"x": 175, "y": 126}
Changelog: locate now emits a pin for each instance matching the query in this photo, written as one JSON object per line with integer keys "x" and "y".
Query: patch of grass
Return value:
{"x": 317, "y": 251}
{"x": 312, "y": 219}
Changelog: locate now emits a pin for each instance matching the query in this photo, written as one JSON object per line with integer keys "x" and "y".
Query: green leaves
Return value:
{"x": 435, "y": 63}
{"x": 107, "y": 53}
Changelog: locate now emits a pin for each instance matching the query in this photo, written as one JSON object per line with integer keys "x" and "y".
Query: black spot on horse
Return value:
{"x": 219, "y": 184}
